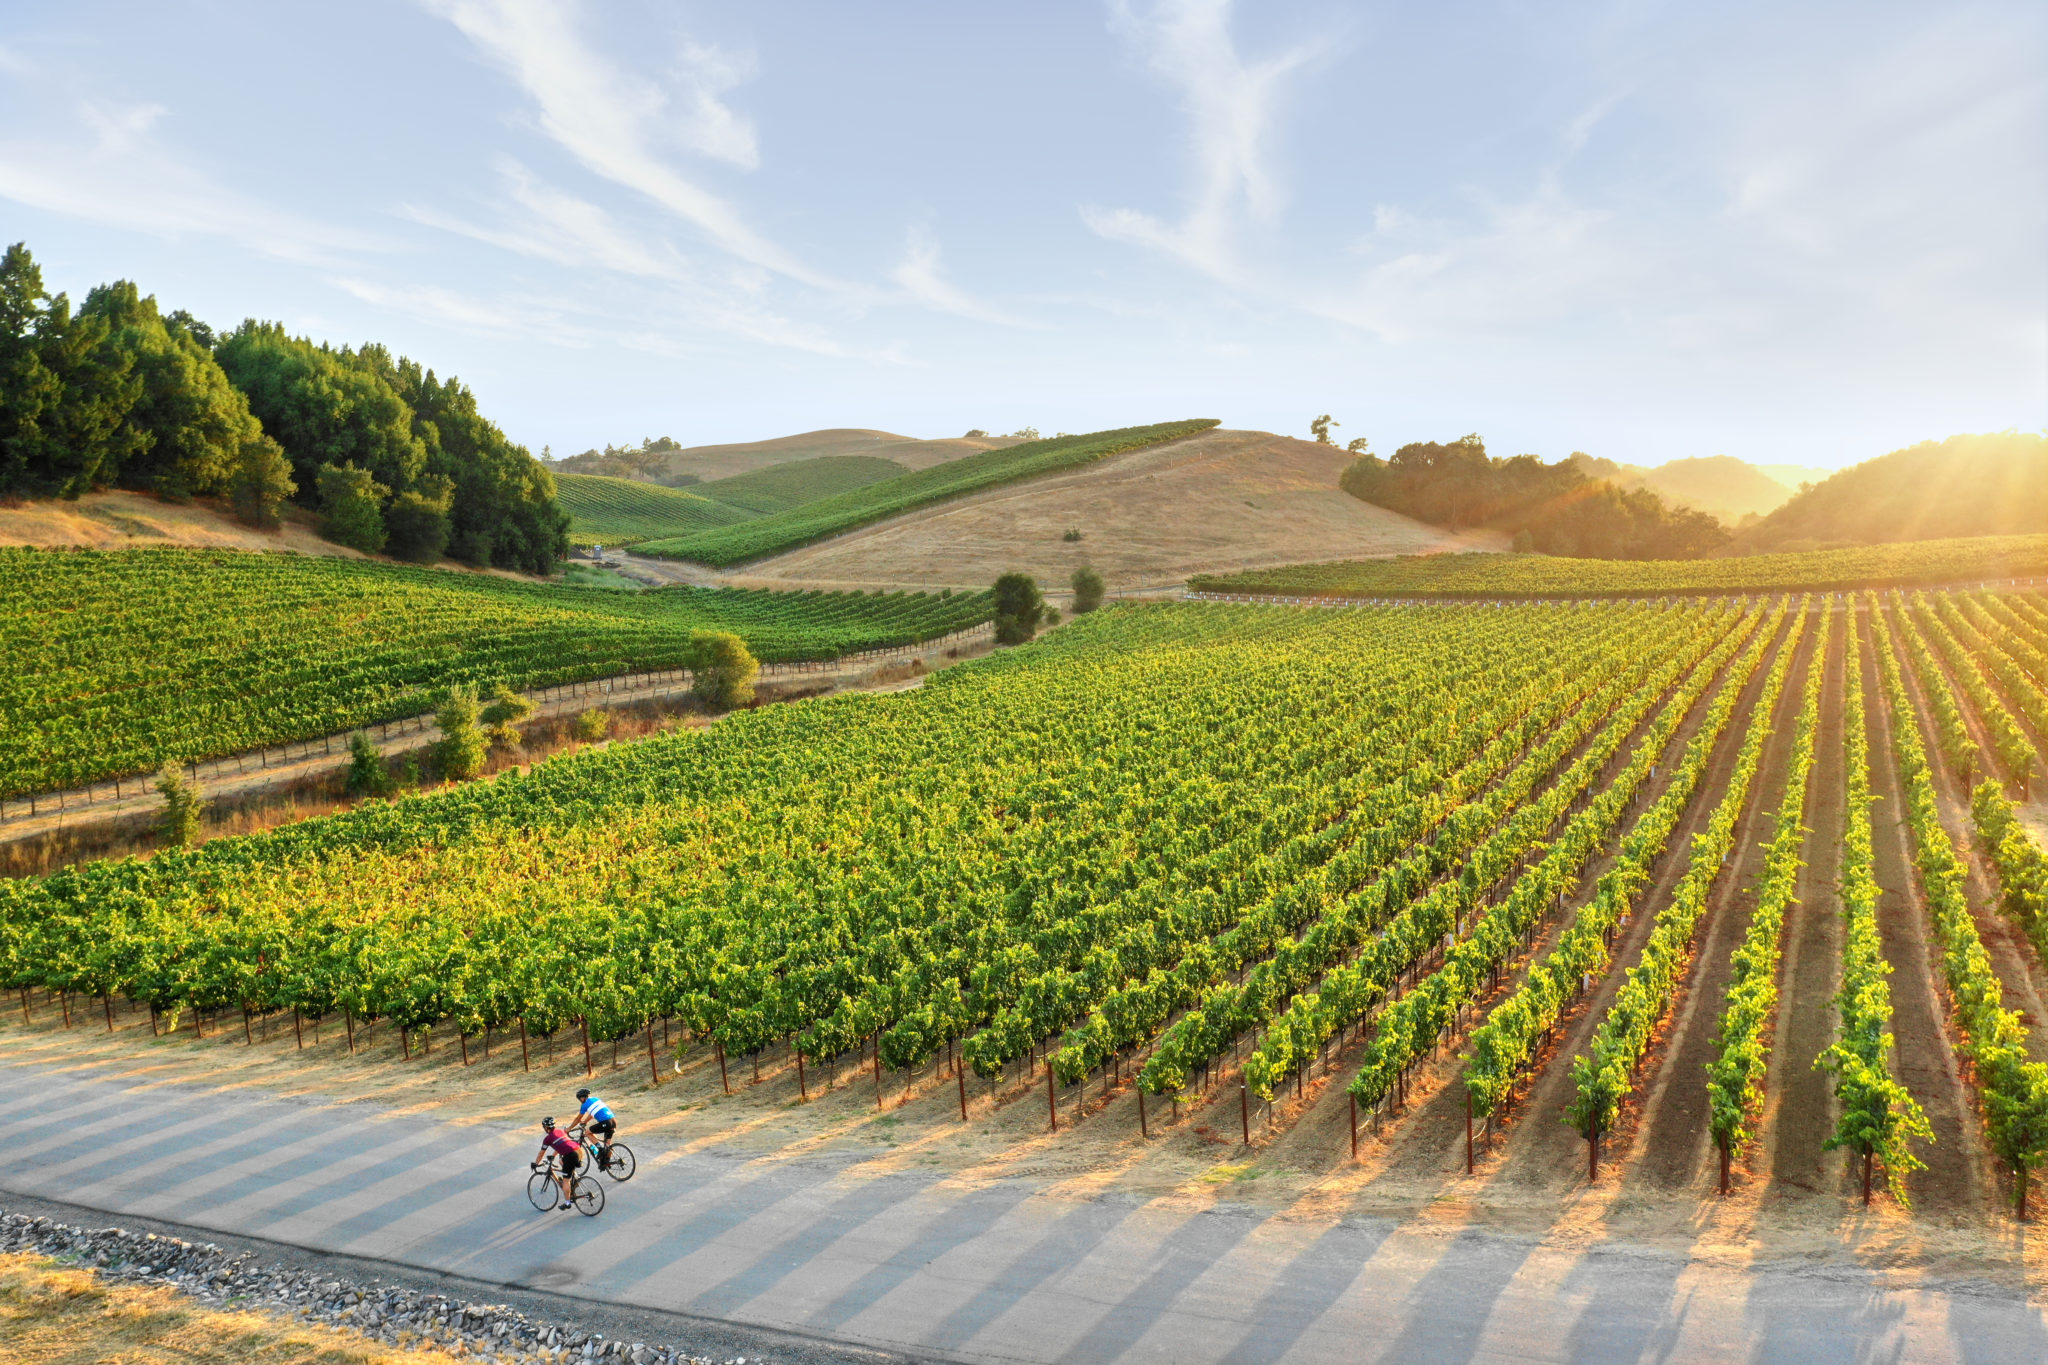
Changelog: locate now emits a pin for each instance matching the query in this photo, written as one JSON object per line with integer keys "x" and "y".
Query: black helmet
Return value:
{"x": 547, "y": 1125}
{"x": 584, "y": 1093}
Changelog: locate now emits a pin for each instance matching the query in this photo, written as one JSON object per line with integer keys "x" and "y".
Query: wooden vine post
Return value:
{"x": 1354, "y": 1124}
{"x": 108, "y": 1000}
{"x": 1052, "y": 1106}
{"x": 1244, "y": 1112}
{"x": 653, "y": 1066}
{"x": 1593, "y": 1149}
{"x": 803, "y": 1087}
{"x": 878, "y": 1073}
{"x": 1142, "y": 1131}
{"x": 1724, "y": 1166}
{"x": 960, "y": 1079}
{"x": 718, "y": 1046}
{"x": 525, "y": 1058}
{"x": 1866, "y": 1178}
{"x": 1468, "y": 1132}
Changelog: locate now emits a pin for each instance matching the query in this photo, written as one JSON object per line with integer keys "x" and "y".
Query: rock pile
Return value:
{"x": 388, "y": 1313}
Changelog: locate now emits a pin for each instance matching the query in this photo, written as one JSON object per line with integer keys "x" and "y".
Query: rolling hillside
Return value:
{"x": 861, "y": 507}
{"x": 1995, "y": 484}
{"x": 780, "y": 487}
{"x": 607, "y": 511}
{"x": 707, "y": 464}
{"x": 1214, "y": 502}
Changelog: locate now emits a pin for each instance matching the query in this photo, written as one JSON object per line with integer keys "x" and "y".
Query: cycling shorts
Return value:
{"x": 571, "y": 1161}
{"x": 605, "y": 1128}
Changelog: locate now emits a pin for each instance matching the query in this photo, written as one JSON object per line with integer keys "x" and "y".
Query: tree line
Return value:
{"x": 1557, "y": 509}
{"x": 118, "y": 394}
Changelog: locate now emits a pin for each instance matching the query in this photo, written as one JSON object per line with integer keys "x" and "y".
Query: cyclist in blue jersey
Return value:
{"x": 594, "y": 1119}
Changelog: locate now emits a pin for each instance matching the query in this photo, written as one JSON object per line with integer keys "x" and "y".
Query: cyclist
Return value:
{"x": 564, "y": 1147}
{"x": 595, "y": 1119}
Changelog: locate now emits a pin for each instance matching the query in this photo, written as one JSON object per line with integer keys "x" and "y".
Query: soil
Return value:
{"x": 1799, "y": 1114}
{"x": 1216, "y": 502}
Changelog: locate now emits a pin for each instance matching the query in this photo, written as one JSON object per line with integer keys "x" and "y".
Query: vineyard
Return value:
{"x": 139, "y": 656}
{"x": 1923, "y": 562}
{"x": 1514, "y": 894}
{"x": 828, "y": 516}
{"x": 607, "y": 511}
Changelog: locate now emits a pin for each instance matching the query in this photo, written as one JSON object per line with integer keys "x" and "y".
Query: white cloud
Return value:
{"x": 1231, "y": 107}
{"x": 919, "y": 275}
{"x": 539, "y": 221}
{"x": 616, "y": 124}
{"x": 110, "y": 167}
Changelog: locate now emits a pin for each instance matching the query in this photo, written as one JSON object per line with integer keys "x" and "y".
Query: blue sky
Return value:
{"x": 1796, "y": 233}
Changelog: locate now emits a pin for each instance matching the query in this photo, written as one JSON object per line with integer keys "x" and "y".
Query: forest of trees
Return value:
{"x": 1553, "y": 508}
{"x": 116, "y": 394}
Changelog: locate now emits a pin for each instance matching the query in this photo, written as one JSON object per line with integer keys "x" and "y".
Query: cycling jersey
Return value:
{"x": 595, "y": 1110}
{"x": 564, "y": 1145}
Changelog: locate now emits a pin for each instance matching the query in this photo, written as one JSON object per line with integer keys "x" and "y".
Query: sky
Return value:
{"x": 1796, "y": 233}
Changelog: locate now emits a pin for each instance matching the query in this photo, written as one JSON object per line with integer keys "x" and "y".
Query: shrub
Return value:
{"x": 1019, "y": 605}
{"x": 460, "y": 751}
{"x": 179, "y": 823}
{"x": 1524, "y": 542}
{"x": 593, "y": 724}
{"x": 366, "y": 773}
{"x": 351, "y": 508}
{"x": 725, "y": 671}
{"x": 1088, "y": 590}
{"x": 417, "y": 521}
{"x": 261, "y": 483}
{"x": 502, "y": 717}
{"x": 1071, "y": 535}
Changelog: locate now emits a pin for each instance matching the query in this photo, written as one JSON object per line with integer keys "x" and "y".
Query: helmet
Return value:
{"x": 583, "y": 1094}
{"x": 547, "y": 1125}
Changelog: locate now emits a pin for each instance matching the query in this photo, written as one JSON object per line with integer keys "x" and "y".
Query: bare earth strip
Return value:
{"x": 1671, "y": 1145}
{"x": 1957, "y": 1180}
{"x": 1220, "y": 501}
{"x": 1799, "y": 1104}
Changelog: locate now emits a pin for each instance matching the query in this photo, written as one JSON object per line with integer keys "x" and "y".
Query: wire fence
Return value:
{"x": 643, "y": 686}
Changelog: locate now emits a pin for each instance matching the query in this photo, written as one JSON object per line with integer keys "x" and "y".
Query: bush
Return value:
{"x": 593, "y": 724}
{"x": 1088, "y": 590}
{"x": 261, "y": 483}
{"x": 1524, "y": 542}
{"x": 366, "y": 773}
{"x": 1071, "y": 535}
{"x": 179, "y": 823}
{"x": 351, "y": 507}
{"x": 1019, "y": 607}
{"x": 459, "y": 753}
{"x": 725, "y": 670}
{"x": 502, "y": 717}
{"x": 417, "y": 522}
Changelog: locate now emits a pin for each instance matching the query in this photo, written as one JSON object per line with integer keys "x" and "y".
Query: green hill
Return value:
{"x": 1994, "y": 484}
{"x": 781, "y": 487}
{"x": 608, "y": 511}
{"x": 138, "y": 656}
{"x": 971, "y": 474}
{"x": 1722, "y": 486}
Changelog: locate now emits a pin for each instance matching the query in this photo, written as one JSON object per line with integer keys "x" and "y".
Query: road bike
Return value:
{"x": 615, "y": 1159}
{"x": 544, "y": 1189}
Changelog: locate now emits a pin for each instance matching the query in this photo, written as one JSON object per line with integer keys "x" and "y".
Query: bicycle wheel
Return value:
{"x": 542, "y": 1191}
{"x": 589, "y": 1196}
{"x": 619, "y": 1163}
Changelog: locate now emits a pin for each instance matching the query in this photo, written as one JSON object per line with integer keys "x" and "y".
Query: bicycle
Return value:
{"x": 544, "y": 1189}
{"x": 615, "y": 1159}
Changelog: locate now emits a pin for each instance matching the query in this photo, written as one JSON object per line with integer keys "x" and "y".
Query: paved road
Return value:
{"x": 910, "y": 1263}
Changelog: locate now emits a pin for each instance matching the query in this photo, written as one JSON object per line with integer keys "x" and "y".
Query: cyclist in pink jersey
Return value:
{"x": 564, "y": 1146}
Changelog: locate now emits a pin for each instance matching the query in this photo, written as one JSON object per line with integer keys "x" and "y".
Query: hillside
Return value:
{"x": 780, "y": 487}
{"x": 1961, "y": 560}
{"x": 844, "y": 512}
{"x": 608, "y": 511}
{"x": 1994, "y": 484}
{"x": 152, "y": 654}
{"x": 1722, "y": 486}
{"x": 665, "y": 463}
{"x": 1219, "y": 500}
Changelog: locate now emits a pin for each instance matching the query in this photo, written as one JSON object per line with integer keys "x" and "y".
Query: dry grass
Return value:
{"x": 53, "y": 1315}
{"x": 1220, "y": 501}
